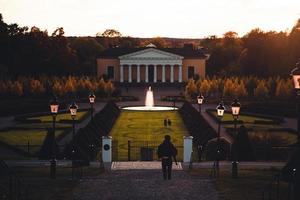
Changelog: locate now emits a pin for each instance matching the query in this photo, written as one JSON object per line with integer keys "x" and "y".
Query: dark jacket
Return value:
{"x": 166, "y": 149}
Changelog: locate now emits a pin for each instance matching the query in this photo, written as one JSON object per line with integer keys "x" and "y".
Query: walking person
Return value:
{"x": 166, "y": 151}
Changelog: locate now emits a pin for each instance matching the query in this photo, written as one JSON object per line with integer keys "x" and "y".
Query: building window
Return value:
{"x": 191, "y": 72}
{"x": 110, "y": 72}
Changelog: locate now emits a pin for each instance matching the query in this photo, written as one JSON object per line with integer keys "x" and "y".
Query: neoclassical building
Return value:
{"x": 151, "y": 65}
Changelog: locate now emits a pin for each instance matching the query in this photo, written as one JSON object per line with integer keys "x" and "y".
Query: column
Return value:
{"x": 129, "y": 74}
{"x": 172, "y": 74}
{"x": 180, "y": 74}
{"x": 146, "y": 73}
{"x": 163, "y": 73}
{"x": 107, "y": 151}
{"x": 138, "y": 76}
{"x": 121, "y": 74}
{"x": 155, "y": 73}
{"x": 187, "y": 148}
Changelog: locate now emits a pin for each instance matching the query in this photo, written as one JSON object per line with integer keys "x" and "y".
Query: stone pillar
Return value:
{"x": 129, "y": 74}
{"x": 121, "y": 74}
{"x": 155, "y": 74}
{"x": 180, "y": 74}
{"x": 172, "y": 74}
{"x": 187, "y": 148}
{"x": 138, "y": 78}
{"x": 107, "y": 151}
{"x": 146, "y": 73}
{"x": 163, "y": 73}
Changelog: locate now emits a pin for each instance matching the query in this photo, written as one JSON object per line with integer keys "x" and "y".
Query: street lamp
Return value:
{"x": 293, "y": 165}
{"x": 54, "y": 110}
{"x": 73, "y": 111}
{"x": 235, "y": 108}
{"x": 92, "y": 98}
{"x": 200, "y": 99}
{"x": 220, "y": 113}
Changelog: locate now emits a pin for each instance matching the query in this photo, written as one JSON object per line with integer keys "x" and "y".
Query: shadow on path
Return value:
{"x": 145, "y": 184}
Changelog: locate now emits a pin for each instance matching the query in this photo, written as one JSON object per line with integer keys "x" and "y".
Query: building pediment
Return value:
{"x": 150, "y": 54}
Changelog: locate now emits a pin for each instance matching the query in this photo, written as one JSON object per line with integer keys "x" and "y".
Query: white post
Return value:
{"x": 146, "y": 73}
{"x": 163, "y": 73}
{"x": 172, "y": 74}
{"x": 129, "y": 74}
{"x": 106, "y": 151}
{"x": 138, "y": 78}
{"x": 121, "y": 74}
{"x": 180, "y": 74}
{"x": 187, "y": 148}
{"x": 155, "y": 74}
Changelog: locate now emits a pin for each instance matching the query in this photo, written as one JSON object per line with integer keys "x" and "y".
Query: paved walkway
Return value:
{"x": 145, "y": 185}
{"x": 142, "y": 165}
{"x": 98, "y": 106}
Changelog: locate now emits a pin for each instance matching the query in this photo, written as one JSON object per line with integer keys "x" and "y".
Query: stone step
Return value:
{"x": 139, "y": 165}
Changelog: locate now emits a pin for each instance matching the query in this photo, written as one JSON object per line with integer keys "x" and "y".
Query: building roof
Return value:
{"x": 186, "y": 52}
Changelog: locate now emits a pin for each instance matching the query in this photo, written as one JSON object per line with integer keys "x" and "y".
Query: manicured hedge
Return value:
{"x": 196, "y": 124}
{"x": 87, "y": 140}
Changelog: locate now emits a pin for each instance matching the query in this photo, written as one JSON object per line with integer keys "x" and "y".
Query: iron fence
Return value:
{"x": 139, "y": 151}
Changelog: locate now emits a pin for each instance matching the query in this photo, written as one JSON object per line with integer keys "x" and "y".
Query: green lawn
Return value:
{"x": 275, "y": 138}
{"x": 139, "y": 126}
{"x": 62, "y": 116}
{"x": 20, "y": 138}
{"x": 45, "y": 125}
{"x": 244, "y": 118}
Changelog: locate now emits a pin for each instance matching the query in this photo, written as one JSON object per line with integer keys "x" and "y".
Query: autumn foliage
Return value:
{"x": 241, "y": 87}
{"x": 60, "y": 86}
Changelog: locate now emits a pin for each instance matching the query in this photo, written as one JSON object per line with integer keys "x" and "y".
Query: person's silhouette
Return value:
{"x": 166, "y": 151}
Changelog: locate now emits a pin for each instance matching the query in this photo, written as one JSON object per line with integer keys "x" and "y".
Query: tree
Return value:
{"x": 190, "y": 88}
{"x": 157, "y": 41}
{"x": 87, "y": 50}
{"x": 261, "y": 91}
{"x": 110, "y": 33}
{"x": 294, "y": 45}
{"x": 205, "y": 87}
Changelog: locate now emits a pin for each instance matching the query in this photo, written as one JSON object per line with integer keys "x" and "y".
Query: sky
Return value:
{"x": 153, "y": 18}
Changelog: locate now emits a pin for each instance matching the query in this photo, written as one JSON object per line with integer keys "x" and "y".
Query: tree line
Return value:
{"x": 257, "y": 53}
{"x": 33, "y": 52}
{"x": 62, "y": 86}
{"x": 246, "y": 87}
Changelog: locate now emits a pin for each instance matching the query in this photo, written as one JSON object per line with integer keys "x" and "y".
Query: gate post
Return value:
{"x": 106, "y": 151}
{"x": 187, "y": 148}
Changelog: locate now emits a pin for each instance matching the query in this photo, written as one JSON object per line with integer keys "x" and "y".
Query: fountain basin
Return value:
{"x": 150, "y": 108}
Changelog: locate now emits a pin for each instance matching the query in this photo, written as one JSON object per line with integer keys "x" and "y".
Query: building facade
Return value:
{"x": 151, "y": 64}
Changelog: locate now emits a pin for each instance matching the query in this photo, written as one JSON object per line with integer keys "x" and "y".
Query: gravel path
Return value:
{"x": 146, "y": 185}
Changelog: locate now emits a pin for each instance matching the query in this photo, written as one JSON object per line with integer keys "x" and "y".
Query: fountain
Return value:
{"x": 149, "y": 101}
{"x": 149, "y": 104}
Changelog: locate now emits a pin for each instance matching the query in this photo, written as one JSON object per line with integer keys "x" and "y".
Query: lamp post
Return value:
{"x": 235, "y": 108}
{"x": 296, "y": 80}
{"x": 200, "y": 99}
{"x": 54, "y": 110}
{"x": 294, "y": 163}
{"x": 73, "y": 111}
{"x": 220, "y": 112}
{"x": 92, "y": 98}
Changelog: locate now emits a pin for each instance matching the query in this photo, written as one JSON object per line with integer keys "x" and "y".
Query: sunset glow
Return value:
{"x": 144, "y": 18}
